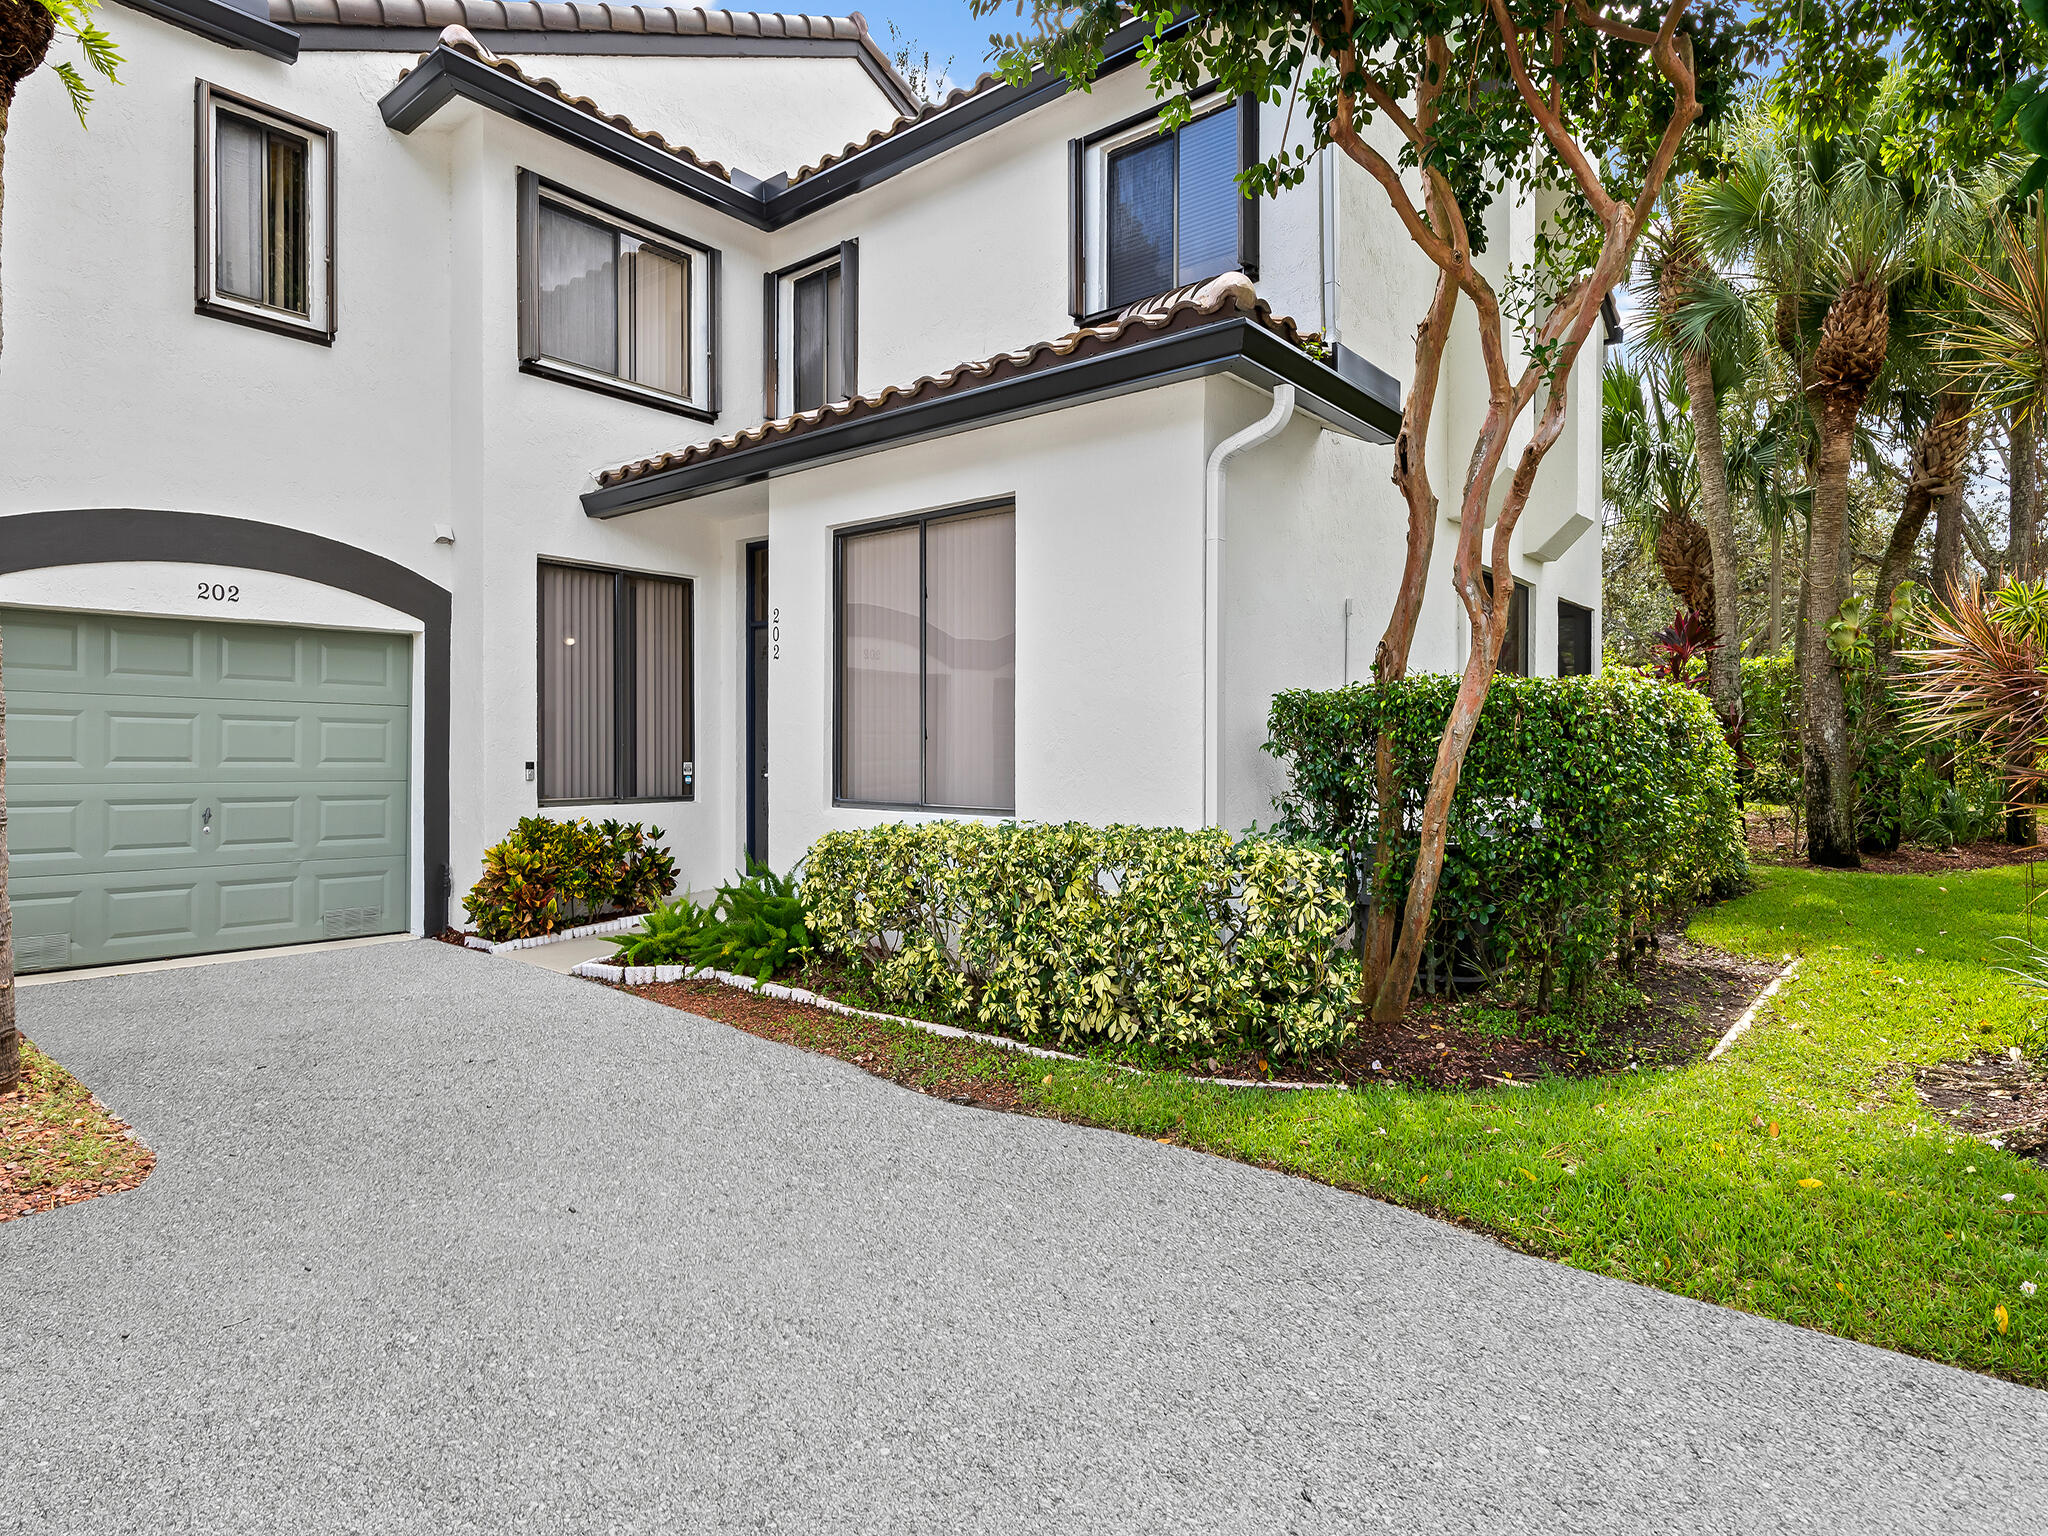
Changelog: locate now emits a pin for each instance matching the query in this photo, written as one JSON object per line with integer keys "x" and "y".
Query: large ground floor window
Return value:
{"x": 616, "y": 698}
{"x": 926, "y": 701}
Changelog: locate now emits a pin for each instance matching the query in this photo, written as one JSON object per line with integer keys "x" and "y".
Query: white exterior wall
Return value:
{"x": 113, "y": 392}
{"x": 1109, "y": 611}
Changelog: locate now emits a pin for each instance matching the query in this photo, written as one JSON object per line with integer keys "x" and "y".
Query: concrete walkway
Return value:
{"x": 438, "y": 1243}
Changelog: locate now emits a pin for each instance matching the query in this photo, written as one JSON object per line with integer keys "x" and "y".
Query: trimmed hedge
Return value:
{"x": 1174, "y": 938}
{"x": 547, "y": 874}
{"x": 1587, "y": 806}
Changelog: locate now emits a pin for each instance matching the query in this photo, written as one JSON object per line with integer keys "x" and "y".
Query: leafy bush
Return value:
{"x": 1172, "y": 938}
{"x": 754, "y": 926}
{"x": 1770, "y": 729}
{"x": 1587, "y": 806}
{"x": 548, "y": 874}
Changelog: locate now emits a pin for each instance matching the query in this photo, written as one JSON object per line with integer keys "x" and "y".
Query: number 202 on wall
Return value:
{"x": 216, "y": 592}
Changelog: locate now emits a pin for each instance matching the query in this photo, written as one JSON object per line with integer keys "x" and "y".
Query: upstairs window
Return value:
{"x": 266, "y": 217}
{"x": 812, "y": 320}
{"x": 1514, "y": 640}
{"x": 614, "y": 305}
{"x": 1161, "y": 210}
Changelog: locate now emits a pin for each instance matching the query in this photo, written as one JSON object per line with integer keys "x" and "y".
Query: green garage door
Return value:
{"x": 175, "y": 788}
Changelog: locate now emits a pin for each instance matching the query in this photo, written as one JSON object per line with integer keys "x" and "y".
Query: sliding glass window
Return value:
{"x": 927, "y": 697}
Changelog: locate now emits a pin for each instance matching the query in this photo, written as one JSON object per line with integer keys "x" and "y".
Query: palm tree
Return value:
{"x": 1651, "y": 479}
{"x": 1701, "y": 324}
{"x": 27, "y": 28}
{"x": 1829, "y": 238}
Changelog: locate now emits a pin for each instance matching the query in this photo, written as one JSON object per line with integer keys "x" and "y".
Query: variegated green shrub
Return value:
{"x": 1179, "y": 939}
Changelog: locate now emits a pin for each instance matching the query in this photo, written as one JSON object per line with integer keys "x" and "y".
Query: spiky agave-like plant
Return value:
{"x": 1981, "y": 673}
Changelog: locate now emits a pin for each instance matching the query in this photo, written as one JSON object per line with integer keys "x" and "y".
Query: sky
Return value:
{"x": 946, "y": 27}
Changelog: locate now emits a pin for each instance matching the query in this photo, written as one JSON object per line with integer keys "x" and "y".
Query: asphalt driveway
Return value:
{"x": 440, "y": 1243}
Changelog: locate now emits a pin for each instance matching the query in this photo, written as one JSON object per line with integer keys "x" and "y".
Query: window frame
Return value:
{"x": 919, "y": 521}
{"x": 1088, "y": 187}
{"x": 318, "y": 324}
{"x": 623, "y": 685}
{"x": 778, "y": 340}
{"x": 704, "y": 263}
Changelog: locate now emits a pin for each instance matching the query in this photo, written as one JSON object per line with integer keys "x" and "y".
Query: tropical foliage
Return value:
{"x": 753, "y": 926}
{"x": 549, "y": 874}
{"x": 1589, "y": 808}
{"x": 1155, "y": 935}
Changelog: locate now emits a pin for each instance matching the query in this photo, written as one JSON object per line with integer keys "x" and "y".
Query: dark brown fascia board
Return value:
{"x": 222, "y": 23}
{"x": 943, "y": 131}
{"x": 335, "y": 38}
{"x": 1235, "y": 345}
{"x": 446, "y": 74}
{"x": 771, "y": 204}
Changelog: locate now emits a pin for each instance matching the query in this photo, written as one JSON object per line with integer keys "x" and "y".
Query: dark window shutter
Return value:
{"x": 1248, "y": 207}
{"x": 529, "y": 266}
{"x": 1077, "y": 234}
{"x": 771, "y": 336}
{"x": 847, "y": 361}
{"x": 712, "y": 274}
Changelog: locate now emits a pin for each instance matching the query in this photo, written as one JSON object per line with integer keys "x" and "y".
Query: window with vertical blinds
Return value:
{"x": 818, "y": 339}
{"x": 927, "y": 700}
{"x": 613, "y": 305}
{"x": 616, "y": 693}
{"x": 1173, "y": 203}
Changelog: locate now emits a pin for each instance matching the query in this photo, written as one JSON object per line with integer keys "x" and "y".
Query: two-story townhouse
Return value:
{"x": 625, "y": 411}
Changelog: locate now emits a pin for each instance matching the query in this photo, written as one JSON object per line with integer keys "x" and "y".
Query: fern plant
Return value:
{"x": 755, "y": 926}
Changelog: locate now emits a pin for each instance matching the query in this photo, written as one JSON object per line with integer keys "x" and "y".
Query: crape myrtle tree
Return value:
{"x": 27, "y": 29}
{"x": 1587, "y": 104}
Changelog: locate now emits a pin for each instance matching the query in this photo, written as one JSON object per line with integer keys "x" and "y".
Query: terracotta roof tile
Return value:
{"x": 923, "y": 114}
{"x": 549, "y": 16}
{"x": 461, "y": 41}
{"x": 1197, "y": 301}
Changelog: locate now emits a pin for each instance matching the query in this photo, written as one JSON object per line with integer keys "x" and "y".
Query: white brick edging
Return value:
{"x": 1748, "y": 1018}
{"x": 652, "y": 975}
{"x": 587, "y": 931}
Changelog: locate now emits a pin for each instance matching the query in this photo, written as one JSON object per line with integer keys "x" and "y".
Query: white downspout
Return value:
{"x": 1212, "y": 596}
{"x": 1332, "y": 248}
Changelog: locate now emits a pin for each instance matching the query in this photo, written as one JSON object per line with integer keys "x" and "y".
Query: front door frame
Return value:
{"x": 756, "y": 634}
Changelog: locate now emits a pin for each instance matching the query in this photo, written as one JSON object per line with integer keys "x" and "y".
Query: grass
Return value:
{"x": 58, "y": 1144}
{"x": 1797, "y": 1178}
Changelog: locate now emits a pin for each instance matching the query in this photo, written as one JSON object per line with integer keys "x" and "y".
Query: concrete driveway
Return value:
{"x": 440, "y": 1243}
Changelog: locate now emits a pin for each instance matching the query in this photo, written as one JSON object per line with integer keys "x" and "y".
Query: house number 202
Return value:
{"x": 775, "y": 634}
{"x": 215, "y": 592}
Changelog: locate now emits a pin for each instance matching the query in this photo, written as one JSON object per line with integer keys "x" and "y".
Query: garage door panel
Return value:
{"x": 113, "y": 920}
{"x": 74, "y": 738}
{"x": 172, "y": 659}
{"x": 177, "y": 788}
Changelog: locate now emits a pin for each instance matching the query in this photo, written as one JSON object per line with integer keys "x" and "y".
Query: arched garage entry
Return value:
{"x": 124, "y": 535}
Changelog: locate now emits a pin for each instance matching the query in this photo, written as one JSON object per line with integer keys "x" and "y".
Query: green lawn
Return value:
{"x": 1797, "y": 1177}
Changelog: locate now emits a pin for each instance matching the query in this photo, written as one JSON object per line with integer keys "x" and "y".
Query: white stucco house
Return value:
{"x": 419, "y": 413}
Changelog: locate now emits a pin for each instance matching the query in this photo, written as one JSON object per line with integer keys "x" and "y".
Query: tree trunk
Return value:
{"x": 1947, "y": 571}
{"x": 1937, "y": 459}
{"x": 2021, "y": 511}
{"x": 1775, "y": 634}
{"x": 1824, "y": 747}
{"x": 1724, "y": 664}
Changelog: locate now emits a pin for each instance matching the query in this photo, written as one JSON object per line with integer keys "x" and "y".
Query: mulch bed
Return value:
{"x": 2002, "y": 1096}
{"x": 865, "y": 1043}
{"x": 42, "y": 1123}
{"x": 1694, "y": 994}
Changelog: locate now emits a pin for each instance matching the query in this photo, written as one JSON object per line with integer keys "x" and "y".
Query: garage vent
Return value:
{"x": 44, "y": 952}
{"x": 351, "y": 922}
